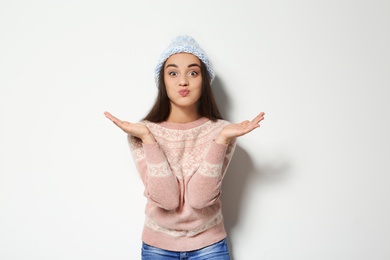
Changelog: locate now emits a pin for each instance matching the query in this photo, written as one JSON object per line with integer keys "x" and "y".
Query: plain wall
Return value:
{"x": 311, "y": 183}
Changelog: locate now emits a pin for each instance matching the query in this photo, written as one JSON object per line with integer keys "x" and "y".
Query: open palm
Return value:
{"x": 135, "y": 129}
{"x": 235, "y": 130}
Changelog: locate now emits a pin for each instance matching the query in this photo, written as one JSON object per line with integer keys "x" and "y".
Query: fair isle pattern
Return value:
{"x": 183, "y": 164}
{"x": 185, "y": 158}
{"x": 210, "y": 169}
{"x": 159, "y": 169}
{"x": 136, "y": 148}
{"x": 218, "y": 218}
{"x": 170, "y": 136}
{"x": 184, "y": 155}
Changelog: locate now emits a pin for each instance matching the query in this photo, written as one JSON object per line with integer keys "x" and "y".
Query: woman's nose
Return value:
{"x": 183, "y": 81}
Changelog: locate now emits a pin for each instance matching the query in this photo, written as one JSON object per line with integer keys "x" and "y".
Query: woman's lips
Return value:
{"x": 184, "y": 92}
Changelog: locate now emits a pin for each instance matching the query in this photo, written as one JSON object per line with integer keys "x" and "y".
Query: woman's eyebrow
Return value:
{"x": 189, "y": 66}
{"x": 171, "y": 65}
{"x": 193, "y": 65}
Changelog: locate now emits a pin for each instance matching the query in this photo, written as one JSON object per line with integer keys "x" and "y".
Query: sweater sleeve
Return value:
{"x": 204, "y": 188}
{"x": 161, "y": 185}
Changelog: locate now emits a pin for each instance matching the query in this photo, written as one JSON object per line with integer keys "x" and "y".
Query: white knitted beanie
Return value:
{"x": 185, "y": 44}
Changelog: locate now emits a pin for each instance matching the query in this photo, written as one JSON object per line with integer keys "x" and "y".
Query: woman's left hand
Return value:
{"x": 235, "y": 130}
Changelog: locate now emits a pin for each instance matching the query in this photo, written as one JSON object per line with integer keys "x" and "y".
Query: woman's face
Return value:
{"x": 183, "y": 80}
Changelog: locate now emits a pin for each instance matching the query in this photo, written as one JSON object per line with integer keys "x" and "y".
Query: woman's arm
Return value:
{"x": 161, "y": 185}
{"x": 204, "y": 188}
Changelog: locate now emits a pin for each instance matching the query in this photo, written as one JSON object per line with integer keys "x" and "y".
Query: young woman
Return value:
{"x": 182, "y": 149}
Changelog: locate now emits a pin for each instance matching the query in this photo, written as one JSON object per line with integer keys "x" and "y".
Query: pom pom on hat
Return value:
{"x": 185, "y": 44}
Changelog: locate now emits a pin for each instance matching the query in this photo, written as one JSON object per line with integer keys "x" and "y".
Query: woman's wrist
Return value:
{"x": 222, "y": 140}
{"x": 148, "y": 139}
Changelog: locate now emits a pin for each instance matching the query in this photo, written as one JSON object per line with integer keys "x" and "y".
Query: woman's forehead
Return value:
{"x": 183, "y": 59}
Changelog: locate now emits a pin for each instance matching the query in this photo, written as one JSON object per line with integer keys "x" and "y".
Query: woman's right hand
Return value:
{"x": 135, "y": 129}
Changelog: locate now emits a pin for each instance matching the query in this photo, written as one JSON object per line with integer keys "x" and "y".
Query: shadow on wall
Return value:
{"x": 241, "y": 171}
{"x": 236, "y": 179}
{"x": 240, "y": 168}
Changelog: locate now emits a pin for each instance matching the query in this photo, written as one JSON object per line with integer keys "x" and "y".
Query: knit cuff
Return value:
{"x": 216, "y": 153}
{"x": 153, "y": 153}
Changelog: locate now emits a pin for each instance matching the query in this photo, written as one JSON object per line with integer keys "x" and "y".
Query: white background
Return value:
{"x": 311, "y": 183}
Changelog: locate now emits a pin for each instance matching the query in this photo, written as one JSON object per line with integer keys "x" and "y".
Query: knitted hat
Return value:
{"x": 184, "y": 44}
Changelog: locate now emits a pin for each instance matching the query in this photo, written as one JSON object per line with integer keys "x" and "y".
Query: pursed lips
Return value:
{"x": 184, "y": 92}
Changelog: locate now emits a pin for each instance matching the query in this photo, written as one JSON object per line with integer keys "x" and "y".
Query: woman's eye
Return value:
{"x": 172, "y": 73}
{"x": 193, "y": 73}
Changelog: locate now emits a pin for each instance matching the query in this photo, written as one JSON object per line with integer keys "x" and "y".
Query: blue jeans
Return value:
{"x": 217, "y": 251}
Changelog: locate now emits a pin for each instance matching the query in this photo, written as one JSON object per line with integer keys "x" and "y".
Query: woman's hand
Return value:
{"x": 135, "y": 129}
{"x": 235, "y": 130}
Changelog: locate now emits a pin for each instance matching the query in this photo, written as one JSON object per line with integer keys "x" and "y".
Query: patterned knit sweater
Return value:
{"x": 182, "y": 174}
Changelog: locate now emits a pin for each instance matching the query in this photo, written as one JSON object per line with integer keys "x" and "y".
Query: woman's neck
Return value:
{"x": 183, "y": 116}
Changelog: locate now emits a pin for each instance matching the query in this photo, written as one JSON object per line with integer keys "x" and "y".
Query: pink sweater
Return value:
{"x": 182, "y": 174}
